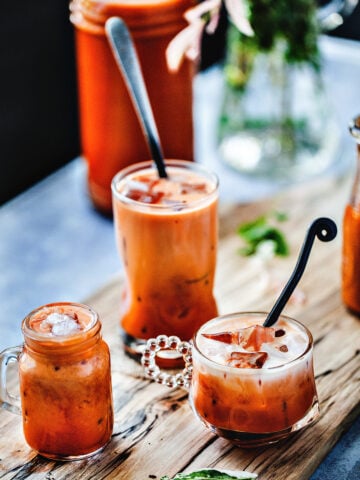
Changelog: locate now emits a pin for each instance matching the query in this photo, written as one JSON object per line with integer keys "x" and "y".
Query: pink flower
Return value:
{"x": 185, "y": 43}
{"x": 204, "y": 10}
{"x": 204, "y": 16}
{"x": 237, "y": 13}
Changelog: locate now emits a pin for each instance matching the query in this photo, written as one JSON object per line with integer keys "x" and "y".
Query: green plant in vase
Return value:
{"x": 275, "y": 119}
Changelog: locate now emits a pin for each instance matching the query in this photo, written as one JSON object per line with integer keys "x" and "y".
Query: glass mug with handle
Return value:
{"x": 250, "y": 384}
{"x": 65, "y": 382}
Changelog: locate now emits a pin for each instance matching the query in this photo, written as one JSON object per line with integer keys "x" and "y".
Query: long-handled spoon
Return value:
{"x": 126, "y": 57}
{"x": 325, "y": 230}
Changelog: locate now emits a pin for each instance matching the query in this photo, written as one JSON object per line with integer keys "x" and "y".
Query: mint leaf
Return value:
{"x": 256, "y": 232}
{"x": 247, "y": 227}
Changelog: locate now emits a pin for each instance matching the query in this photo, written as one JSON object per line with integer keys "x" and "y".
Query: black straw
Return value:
{"x": 323, "y": 228}
{"x": 127, "y": 60}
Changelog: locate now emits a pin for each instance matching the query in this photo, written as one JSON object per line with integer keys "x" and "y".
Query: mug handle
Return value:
{"x": 153, "y": 371}
{"x": 9, "y": 401}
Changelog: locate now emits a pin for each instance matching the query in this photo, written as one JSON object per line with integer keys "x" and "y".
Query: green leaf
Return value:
{"x": 260, "y": 230}
{"x": 212, "y": 474}
{"x": 282, "y": 248}
{"x": 248, "y": 226}
{"x": 272, "y": 23}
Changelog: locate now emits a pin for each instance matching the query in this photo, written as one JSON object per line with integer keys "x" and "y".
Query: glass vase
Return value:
{"x": 275, "y": 121}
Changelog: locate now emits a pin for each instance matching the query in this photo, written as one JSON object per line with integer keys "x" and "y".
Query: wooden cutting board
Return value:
{"x": 155, "y": 431}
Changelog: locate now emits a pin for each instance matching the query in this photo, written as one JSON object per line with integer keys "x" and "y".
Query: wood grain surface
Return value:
{"x": 155, "y": 431}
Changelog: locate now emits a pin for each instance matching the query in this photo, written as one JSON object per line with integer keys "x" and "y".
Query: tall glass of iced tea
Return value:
{"x": 250, "y": 384}
{"x": 166, "y": 232}
{"x": 65, "y": 382}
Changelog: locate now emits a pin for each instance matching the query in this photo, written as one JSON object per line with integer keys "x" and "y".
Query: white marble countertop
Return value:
{"x": 55, "y": 247}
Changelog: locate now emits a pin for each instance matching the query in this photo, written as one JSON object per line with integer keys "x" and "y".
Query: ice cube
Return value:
{"x": 186, "y": 188}
{"x": 247, "y": 359}
{"x": 148, "y": 195}
{"x": 233, "y": 337}
{"x": 250, "y": 338}
{"x": 256, "y": 336}
{"x": 138, "y": 185}
{"x": 61, "y": 324}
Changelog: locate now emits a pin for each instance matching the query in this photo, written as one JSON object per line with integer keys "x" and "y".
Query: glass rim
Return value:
{"x": 149, "y": 164}
{"x": 98, "y": 11}
{"x": 94, "y": 324}
{"x": 253, "y": 371}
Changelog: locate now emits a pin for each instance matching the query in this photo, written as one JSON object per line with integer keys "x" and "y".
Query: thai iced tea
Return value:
{"x": 65, "y": 382}
{"x": 167, "y": 233}
{"x": 111, "y": 135}
{"x": 251, "y": 384}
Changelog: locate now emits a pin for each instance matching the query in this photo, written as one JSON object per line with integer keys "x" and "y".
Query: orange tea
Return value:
{"x": 65, "y": 382}
{"x": 166, "y": 232}
{"x": 351, "y": 259}
{"x": 111, "y": 135}
{"x": 253, "y": 384}
{"x": 250, "y": 384}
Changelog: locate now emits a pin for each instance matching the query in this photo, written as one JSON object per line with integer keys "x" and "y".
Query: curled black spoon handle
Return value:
{"x": 325, "y": 230}
{"x": 126, "y": 57}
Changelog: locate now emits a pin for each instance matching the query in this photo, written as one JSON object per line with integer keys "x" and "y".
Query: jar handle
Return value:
{"x": 153, "y": 371}
{"x": 9, "y": 401}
